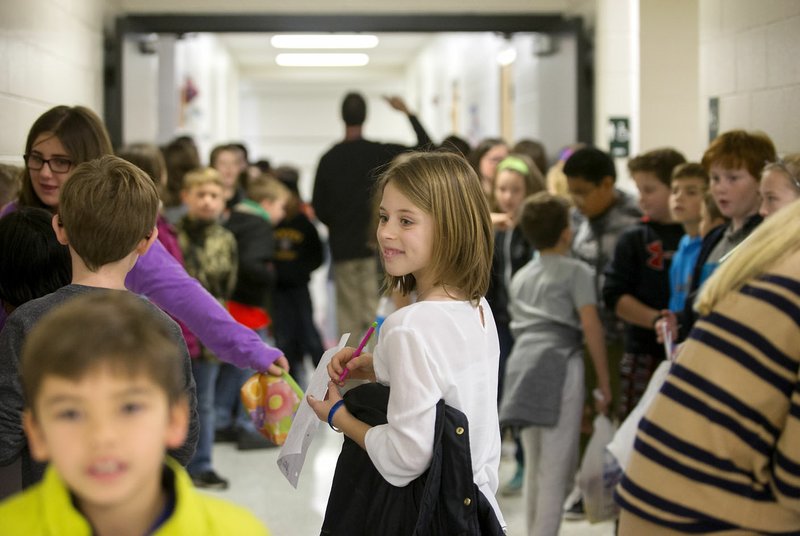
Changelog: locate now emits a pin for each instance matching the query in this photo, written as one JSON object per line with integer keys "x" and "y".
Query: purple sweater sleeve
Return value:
{"x": 159, "y": 277}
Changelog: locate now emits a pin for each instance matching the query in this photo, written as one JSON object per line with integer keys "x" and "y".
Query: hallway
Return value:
{"x": 257, "y": 484}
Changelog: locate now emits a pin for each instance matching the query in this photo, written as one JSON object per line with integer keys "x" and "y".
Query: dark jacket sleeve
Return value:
{"x": 423, "y": 140}
{"x": 12, "y": 438}
{"x": 624, "y": 270}
{"x": 256, "y": 247}
{"x": 185, "y": 452}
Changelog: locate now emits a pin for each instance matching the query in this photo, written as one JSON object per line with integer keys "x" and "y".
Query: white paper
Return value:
{"x": 293, "y": 453}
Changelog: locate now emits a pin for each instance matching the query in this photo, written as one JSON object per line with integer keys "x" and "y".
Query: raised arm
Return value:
{"x": 163, "y": 281}
{"x": 399, "y": 104}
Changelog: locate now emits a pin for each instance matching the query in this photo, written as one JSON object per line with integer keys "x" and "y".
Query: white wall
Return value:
{"x": 749, "y": 59}
{"x": 295, "y": 122}
{"x": 140, "y": 93}
{"x": 545, "y": 88}
{"x": 153, "y": 110}
{"x": 50, "y": 53}
{"x": 468, "y": 60}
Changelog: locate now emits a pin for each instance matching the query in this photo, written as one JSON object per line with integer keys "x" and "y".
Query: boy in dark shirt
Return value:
{"x": 636, "y": 286}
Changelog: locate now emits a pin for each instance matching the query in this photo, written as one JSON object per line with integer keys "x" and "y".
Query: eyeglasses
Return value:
{"x": 57, "y": 164}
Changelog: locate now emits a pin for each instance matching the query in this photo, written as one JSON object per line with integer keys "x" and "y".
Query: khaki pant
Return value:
{"x": 357, "y": 291}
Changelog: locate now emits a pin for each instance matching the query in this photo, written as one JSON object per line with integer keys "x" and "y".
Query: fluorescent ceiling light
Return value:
{"x": 322, "y": 60}
{"x": 324, "y": 41}
{"x": 507, "y": 55}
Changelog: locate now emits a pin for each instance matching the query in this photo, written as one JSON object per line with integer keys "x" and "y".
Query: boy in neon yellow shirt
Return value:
{"x": 104, "y": 401}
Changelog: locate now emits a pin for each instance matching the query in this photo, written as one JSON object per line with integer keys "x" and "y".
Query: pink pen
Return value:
{"x": 361, "y": 346}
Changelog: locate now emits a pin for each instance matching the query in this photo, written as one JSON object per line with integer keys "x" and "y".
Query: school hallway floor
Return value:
{"x": 256, "y": 483}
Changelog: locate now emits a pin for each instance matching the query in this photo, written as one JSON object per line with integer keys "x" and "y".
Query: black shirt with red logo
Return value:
{"x": 640, "y": 268}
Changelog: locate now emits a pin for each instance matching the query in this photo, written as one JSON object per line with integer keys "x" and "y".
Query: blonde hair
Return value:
{"x": 788, "y": 165}
{"x": 267, "y": 187}
{"x": 771, "y": 242}
{"x": 201, "y": 177}
{"x": 446, "y": 187}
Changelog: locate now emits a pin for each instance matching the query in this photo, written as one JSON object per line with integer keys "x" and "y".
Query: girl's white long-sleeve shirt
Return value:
{"x": 429, "y": 351}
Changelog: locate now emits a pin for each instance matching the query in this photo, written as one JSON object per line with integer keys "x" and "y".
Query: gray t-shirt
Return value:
{"x": 13, "y": 444}
{"x": 550, "y": 289}
{"x": 546, "y": 295}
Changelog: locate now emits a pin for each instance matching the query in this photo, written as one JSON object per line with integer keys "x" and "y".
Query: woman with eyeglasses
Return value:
{"x": 64, "y": 137}
{"x": 780, "y": 184}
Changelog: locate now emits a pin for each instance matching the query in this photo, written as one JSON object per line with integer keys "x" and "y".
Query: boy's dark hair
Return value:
{"x": 180, "y": 157}
{"x": 125, "y": 335}
{"x": 535, "y": 151}
{"x": 354, "y": 109}
{"x": 740, "y": 149}
{"x": 455, "y": 144}
{"x": 242, "y": 148}
{"x": 34, "y": 263}
{"x": 661, "y": 162}
{"x": 146, "y": 157}
{"x": 543, "y": 217}
{"x": 590, "y": 164}
{"x": 215, "y": 152}
{"x": 690, "y": 170}
{"x": 107, "y": 207}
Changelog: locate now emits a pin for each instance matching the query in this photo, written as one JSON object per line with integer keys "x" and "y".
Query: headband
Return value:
{"x": 514, "y": 163}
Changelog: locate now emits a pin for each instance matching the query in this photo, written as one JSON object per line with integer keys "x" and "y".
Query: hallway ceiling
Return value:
{"x": 256, "y": 57}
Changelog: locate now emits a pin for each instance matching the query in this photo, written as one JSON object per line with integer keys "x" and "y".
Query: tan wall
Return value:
{"x": 749, "y": 59}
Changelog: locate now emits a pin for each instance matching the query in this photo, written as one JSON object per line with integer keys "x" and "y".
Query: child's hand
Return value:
{"x": 279, "y": 366}
{"x": 501, "y": 221}
{"x": 323, "y": 407}
{"x": 669, "y": 321}
{"x": 360, "y": 367}
{"x": 397, "y": 103}
{"x": 602, "y": 399}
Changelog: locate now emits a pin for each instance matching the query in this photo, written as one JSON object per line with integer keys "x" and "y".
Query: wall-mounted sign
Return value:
{"x": 713, "y": 118}
{"x": 619, "y": 136}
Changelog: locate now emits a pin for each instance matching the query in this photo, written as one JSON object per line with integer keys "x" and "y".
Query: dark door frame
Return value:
{"x": 422, "y": 22}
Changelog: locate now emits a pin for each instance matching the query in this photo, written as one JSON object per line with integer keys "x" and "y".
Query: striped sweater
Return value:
{"x": 719, "y": 448}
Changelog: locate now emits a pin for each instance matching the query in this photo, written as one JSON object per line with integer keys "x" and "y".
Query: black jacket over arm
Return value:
{"x": 442, "y": 501}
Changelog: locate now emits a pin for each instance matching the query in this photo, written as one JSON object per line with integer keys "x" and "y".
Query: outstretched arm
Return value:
{"x": 163, "y": 281}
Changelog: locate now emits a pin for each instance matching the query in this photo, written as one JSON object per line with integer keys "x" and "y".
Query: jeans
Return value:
{"x": 228, "y": 407}
{"x": 205, "y": 376}
{"x": 295, "y": 331}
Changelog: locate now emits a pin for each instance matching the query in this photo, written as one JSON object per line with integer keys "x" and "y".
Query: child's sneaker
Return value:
{"x": 514, "y": 486}
{"x": 209, "y": 480}
{"x": 575, "y": 511}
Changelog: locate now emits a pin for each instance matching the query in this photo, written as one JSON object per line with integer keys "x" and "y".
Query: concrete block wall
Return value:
{"x": 51, "y": 52}
{"x": 748, "y": 59}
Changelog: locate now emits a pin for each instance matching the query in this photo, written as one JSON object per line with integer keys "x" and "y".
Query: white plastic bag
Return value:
{"x": 621, "y": 447}
{"x": 599, "y": 473}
